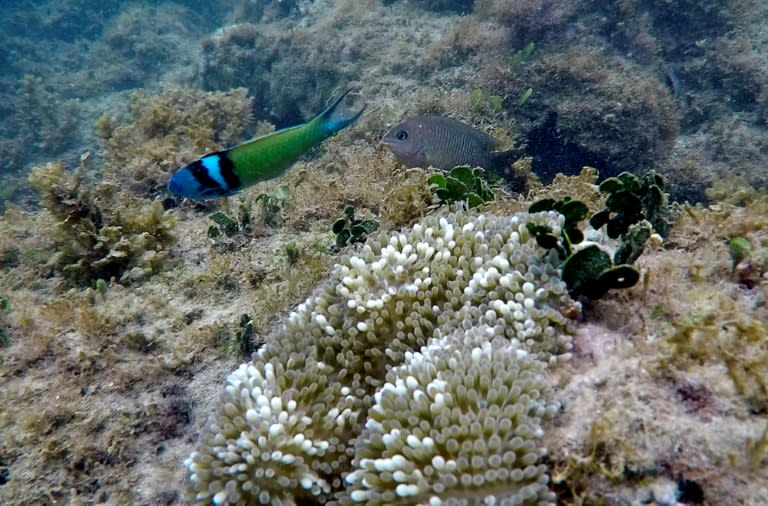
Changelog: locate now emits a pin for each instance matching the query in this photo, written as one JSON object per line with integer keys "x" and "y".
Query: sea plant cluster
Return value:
{"x": 224, "y": 224}
{"x": 631, "y": 199}
{"x": 461, "y": 184}
{"x": 273, "y": 203}
{"x": 351, "y": 230}
{"x": 633, "y": 208}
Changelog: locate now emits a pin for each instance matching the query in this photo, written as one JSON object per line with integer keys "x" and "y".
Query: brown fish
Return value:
{"x": 445, "y": 143}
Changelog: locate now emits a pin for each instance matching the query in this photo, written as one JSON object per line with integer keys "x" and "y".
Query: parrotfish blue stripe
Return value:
{"x": 215, "y": 173}
{"x": 211, "y": 162}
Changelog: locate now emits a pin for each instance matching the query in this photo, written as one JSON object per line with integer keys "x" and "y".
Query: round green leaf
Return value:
{"x": 621, "y": 276}
{"x": 656, "y": 197}
{"x": 339, "y": 225}
{"x": 584, "y": 267}
{"x": 574, "y": 211}
{"x": 456, "y": 189}
{"x": 624, "y": 202}
{"x": 547, "y": 241}
{"x": 474, "y": 200}
{"x": 358, "y": 230}
{"x": 443, "y": 194}
{"x": 630, "y": 182}
{"x": 657, "y": 179}
{"x": 437, "y": 180}
{"x": 574, "y": 235}
{"x": 617, "y": 226}
{"x": 369, "y": 225}
{"x": 600, "y": 218}
{"x": 739, "y": 249}
{"x": 342, "y": 238}
{"x": 464, "y": 174}
{"x": 542, "y": 205}
{"x": 610, "y": 185}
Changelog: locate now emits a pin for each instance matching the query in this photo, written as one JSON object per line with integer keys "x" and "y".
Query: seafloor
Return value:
{"x": 123, "y": 309}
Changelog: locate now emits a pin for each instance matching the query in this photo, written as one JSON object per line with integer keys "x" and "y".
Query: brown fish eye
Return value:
{"x": 401, "y": 135}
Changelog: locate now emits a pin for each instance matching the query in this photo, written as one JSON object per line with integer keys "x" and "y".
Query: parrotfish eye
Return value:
{"x": 401, "y": 135}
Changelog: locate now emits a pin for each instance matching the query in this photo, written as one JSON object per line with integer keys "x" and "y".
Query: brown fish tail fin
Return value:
{"x": 501, "y": 161}
{"x": 501, "y": 165}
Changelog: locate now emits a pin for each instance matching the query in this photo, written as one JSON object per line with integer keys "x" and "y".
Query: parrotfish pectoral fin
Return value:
{"x": 336, "y": 117}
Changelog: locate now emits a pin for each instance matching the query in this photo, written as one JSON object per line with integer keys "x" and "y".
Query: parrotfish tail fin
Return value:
{"x": 336, "y": 117}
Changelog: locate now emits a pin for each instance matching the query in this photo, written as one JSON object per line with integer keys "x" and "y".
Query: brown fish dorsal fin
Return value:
{"x": 487, "y": 142}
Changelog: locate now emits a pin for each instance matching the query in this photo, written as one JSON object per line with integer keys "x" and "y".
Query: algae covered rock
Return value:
{"x": 100, "y": 233}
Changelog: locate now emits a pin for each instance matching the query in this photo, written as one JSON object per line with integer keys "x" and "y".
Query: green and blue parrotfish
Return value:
{"x": 227, "y": 172}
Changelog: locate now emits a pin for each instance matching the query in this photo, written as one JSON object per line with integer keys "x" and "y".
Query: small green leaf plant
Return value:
{"x": 224, "y": 224}
{"x": 574, "y": 211}
{"x": 292, "y": 253}
{"x": 244, "y": 336}
{"x": 630, "y": 200}
{"x": 273, "y": 203}
{"x": 589, "y": 270}
{"x": 522, "y": 55}
{"x": 349, "y": 229}
{"x": 461, "y": 184}
{"x": 483, "y": 103}
{"x": 229, "y": 226}
{"x": 739, "y": 248}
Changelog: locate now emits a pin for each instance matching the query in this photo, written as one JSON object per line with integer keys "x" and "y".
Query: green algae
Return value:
{"x": 100, "y": 233}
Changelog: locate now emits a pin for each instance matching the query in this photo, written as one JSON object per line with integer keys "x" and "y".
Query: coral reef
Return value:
{"x": 69, "y": 61}
{"x": 106, "y": 384}
{"x": 285, "y": 425}
{"x": 141, "y": 40}
{"x": 597, "y": 119}
{"x": 267, "y": 63}
{"x": 450, "y": 6}
{"x": 46, "y": 124}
